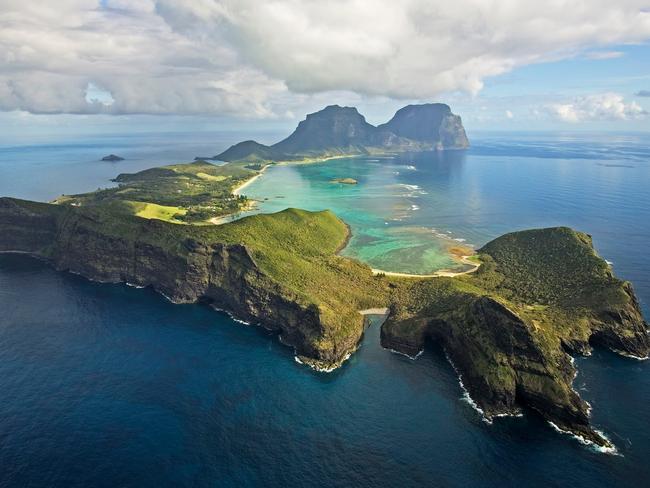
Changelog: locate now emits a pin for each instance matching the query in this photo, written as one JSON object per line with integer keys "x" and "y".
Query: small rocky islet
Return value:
{"x": 113, "y": 158}
{"x": 510, "y": 328}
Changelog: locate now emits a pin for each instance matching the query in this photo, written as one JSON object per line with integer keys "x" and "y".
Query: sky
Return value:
{"x": 107, "y": 65}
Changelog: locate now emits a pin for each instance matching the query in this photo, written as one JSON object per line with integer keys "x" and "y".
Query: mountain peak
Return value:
{"x": 334, "y": 127}
{"x": 337, "y": 130}
{"x": 429, "y": 122}
{"x": 336, "y": 112}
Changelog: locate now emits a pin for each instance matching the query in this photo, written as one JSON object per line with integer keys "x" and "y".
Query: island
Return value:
{"x": 345, "y": 181}
{"x": 112, "y": 157}
{"x": 510, "y": 325}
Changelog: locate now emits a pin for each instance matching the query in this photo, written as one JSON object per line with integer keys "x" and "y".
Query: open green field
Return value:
{"x": 155, "y": 211}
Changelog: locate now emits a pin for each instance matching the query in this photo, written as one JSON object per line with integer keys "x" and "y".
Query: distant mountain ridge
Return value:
{"x": 338, "y": 131}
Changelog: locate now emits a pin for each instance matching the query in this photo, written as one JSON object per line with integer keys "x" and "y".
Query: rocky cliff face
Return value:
{"x": 508, "y": 328}
{"x": 501, "y": 364}
{"x": 181, "y": 267}
{"x": 431, "y": 123}
{"x": 332, "y": 129}
{"x": 339, "y": 130}
{"x": 452, "y": 133}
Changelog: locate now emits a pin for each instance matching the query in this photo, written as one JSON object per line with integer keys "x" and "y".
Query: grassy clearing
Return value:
{"x": 160, "y": 212}
{"x": 208, "y": 177}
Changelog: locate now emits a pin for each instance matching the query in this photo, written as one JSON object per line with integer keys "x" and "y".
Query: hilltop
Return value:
{"x": 341, "y": 131}
{"x": 509, "y": 328}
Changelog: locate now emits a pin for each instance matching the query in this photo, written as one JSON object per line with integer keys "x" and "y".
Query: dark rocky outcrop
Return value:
{"x": 335, "y": 130}
{"x": 432, "y": 123}
{"x": 112, "y": 157}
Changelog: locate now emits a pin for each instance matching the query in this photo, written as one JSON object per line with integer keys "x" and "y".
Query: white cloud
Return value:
{"x": 599, "y": 55}
{"x": 420, "y": 48}
{"x": 605, "y": 106}
{"x": 263, "y": 58}
{"x": 509, "y": 114}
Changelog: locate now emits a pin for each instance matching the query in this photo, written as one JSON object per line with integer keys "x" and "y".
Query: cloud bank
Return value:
{"x": 605, "y": 106}
{"x": 261, "y": 59}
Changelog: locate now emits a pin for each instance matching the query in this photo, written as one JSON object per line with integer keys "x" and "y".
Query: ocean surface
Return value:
{"x": 107, "y": 385}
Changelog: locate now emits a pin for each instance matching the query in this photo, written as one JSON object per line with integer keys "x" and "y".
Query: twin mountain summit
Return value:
{"x": 338, "y": 131}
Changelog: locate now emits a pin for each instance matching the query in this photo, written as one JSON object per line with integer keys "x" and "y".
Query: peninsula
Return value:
{"x": 509, "y": 324}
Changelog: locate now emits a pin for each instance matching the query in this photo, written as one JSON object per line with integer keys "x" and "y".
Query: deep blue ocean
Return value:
{"x": 107, "y": 385}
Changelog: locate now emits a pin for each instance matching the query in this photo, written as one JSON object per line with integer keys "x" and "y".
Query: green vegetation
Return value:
{"x": 297, "y": 249}
{"x": 507, "y": 326}
{"x": 154, "y": 211}
{"x": 552, "y": 277}
{"x": 183, "y": 193}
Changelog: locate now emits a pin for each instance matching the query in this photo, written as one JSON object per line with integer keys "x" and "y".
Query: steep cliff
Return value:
{"x": 431, "y": 123}
{"x": 258, "y": 268}
{"x": 507, "y": 329}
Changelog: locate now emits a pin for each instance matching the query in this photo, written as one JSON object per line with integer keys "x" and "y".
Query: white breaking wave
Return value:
{"x": 586, "y": 442}
{"x": 410, "y": 187}
{"x": 133, "y": 285}
{"x": 322, "y": 369}
{"x": 466, "y": 396}
{"x": 412, "y": 358}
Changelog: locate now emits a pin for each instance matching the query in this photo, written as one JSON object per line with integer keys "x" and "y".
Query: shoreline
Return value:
{"x": 290, "y": 162}
{"x": 436, "y": 274}
{"x": 231, "y": 217}
{"x": 224, "y": 219}
{"x": 250, "y": 204}
{"x": 237, "y": 190}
